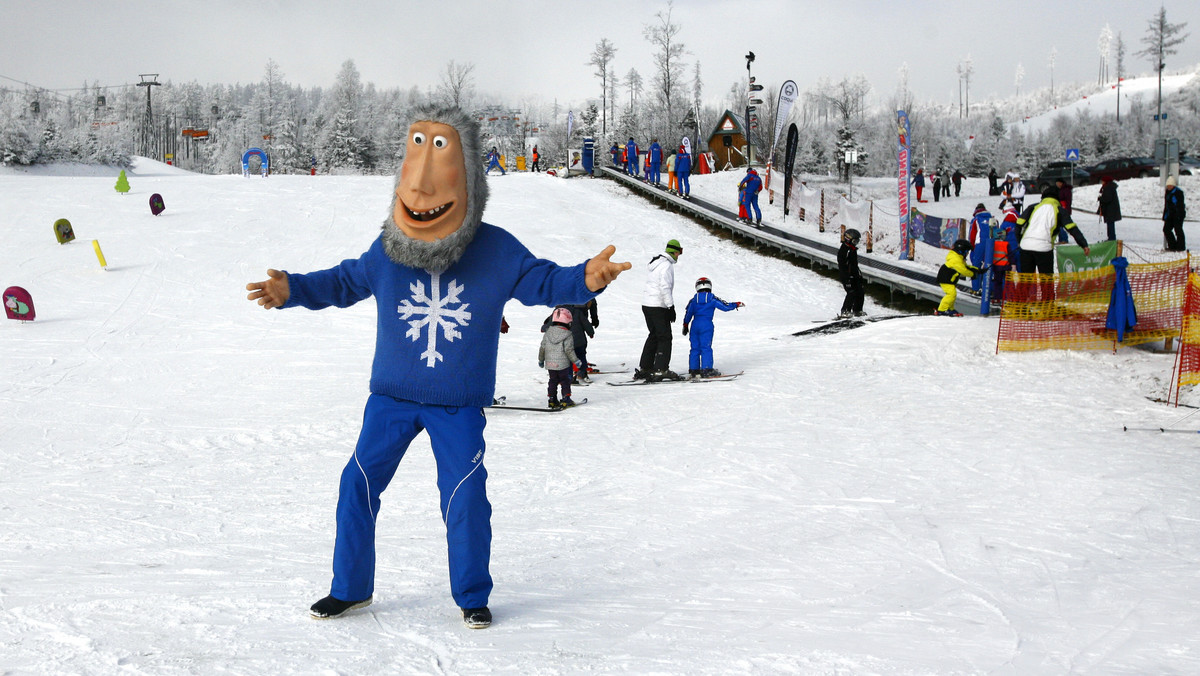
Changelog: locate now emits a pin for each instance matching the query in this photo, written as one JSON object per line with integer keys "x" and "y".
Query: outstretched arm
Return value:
{"x": 271, "y": 293}
{"x": 600, "y": 271}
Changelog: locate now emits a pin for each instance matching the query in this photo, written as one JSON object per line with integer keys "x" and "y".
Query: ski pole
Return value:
{"x": 1158, "y": 429}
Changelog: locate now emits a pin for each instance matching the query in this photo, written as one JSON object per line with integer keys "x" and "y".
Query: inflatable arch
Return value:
{"x": 262, "y": 155}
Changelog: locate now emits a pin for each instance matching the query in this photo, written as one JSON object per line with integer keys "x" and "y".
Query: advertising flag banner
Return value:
{"x": 902, "y": 157}
{"x": 789, "y": 162}
{"x": 787, "y": 97}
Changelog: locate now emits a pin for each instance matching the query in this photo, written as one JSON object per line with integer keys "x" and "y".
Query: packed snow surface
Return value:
{"x": 895, "y": 499}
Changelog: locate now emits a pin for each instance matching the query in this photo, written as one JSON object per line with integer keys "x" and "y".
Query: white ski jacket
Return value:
{"x": 660, "y": 282}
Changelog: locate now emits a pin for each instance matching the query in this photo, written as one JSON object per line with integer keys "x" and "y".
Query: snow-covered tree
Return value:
{"x": 457, "y": 86}
{"x": 668, "y": 68}
{"x": 341, "y": 144}
{"x": 601, "y": 58}
{"x": 1161, "y": 39}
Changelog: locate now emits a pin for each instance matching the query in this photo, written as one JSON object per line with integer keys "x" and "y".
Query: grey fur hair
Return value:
{"x": 440, "y": 254}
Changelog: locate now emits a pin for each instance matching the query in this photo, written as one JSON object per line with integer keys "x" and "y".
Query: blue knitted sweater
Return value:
{"x": 437, "y": 335}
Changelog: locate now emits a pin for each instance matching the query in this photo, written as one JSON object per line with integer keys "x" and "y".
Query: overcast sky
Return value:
{"x": 534, "y": 50}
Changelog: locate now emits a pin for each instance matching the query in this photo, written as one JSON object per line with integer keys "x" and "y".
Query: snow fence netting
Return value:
{"x": 1069, "y": 310}
{"x": 1188, "y": 361}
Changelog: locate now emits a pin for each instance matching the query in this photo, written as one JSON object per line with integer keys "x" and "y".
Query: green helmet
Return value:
{"x": 673, "y": 246}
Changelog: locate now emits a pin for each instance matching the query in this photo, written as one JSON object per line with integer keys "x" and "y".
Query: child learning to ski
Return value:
{"x": 701, "y": 308}
{"x": 557, "y": 355}
{"x": 948, "y": 275}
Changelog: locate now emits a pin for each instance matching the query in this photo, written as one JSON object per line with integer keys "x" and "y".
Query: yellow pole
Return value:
{"x": 99, "y": 253}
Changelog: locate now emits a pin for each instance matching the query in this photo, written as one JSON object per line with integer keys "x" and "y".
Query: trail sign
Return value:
{"x": 1073, "y": 154}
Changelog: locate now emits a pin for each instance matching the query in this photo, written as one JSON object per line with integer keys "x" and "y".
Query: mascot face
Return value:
{"x": 431, "y": 196}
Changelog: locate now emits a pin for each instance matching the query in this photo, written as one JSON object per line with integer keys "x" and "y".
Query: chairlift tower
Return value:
{"x": 149, "y": 80}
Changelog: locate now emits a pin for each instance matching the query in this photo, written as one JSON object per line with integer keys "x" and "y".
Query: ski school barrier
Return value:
{"x": 788, "y": 238}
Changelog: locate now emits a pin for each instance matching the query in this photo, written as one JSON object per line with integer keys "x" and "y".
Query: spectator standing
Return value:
{"x": 536, "y": 157}
{"x": 1174, "y": 211}
{"x": 1110, "y": 207}
{"x": 957, "y": 179}
{"x": 1065, "y": 193}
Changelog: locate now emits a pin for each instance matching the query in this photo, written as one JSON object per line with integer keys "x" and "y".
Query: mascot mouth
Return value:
{"x": 428, "y": 215}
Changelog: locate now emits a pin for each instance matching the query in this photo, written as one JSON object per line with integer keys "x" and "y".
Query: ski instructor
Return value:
{"x": 440, "y": 277}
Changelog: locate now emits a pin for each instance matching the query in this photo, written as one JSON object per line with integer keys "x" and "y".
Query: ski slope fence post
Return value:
{"x": 871, "y": 227}
{"x": 821, "y": 220}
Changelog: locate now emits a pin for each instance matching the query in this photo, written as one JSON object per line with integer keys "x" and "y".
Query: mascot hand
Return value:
{"x": 600, "y": 270}
{"x": 271, "y": 293}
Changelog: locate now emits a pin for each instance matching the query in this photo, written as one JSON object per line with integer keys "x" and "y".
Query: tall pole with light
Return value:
{"x": 749, "y": 108}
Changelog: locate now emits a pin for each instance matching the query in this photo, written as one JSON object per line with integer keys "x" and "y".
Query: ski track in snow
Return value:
{"x": 896, "y": 499}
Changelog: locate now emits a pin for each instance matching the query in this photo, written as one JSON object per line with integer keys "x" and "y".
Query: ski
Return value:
{"x": 836, "y": 325}
{"x": 708, "y": 379}
{"x": 543, "y": 409}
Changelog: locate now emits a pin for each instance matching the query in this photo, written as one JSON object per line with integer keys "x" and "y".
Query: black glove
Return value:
{"x": 672, "y": 315}
{"x": 595, "y": 323}
{"x": 983, "y": 269}
{"x": 848, "y": 287}
{"x": 685, "y": 329}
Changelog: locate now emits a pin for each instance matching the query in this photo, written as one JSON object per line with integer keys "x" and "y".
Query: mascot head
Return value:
{"x": 440, "y": 191}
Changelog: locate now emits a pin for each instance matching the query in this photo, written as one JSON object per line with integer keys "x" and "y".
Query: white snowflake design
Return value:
{"x": 433, "y": 311}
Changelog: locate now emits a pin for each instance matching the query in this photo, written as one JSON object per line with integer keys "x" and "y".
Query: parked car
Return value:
{"x": 1189, "y": 166}
{"x": 1123, "y": 168}
{"x": 1055, "y": 170}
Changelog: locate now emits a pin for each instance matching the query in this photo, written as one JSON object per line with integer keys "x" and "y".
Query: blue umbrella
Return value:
{"x": 1122, "y": 315}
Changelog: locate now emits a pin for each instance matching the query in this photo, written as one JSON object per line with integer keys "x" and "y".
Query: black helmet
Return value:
{"x": 851, "y": 236}
{"x": 962, "y": 246}
{"x": 704, "y": 284}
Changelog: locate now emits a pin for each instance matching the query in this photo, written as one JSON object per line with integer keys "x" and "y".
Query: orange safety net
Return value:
{"x": 1069, "y": 310}
{"x": 1188, "y": 360}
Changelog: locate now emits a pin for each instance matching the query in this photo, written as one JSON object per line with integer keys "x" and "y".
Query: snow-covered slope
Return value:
{"x": 898, "y": 499}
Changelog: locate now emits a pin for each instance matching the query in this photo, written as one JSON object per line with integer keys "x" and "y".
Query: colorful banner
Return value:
{"x": 934, "y": 230}
{"x": 789, "y": 162}
{"x": 1070, "y": 257}
{"x": 783, "y": 110}
{"x": 902, "y": 131}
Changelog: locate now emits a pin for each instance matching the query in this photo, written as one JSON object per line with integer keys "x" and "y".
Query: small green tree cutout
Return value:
{"x": 122, "y": 183}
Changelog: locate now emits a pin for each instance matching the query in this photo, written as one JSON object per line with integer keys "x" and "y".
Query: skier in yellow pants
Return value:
{"x": 955, "y": 267}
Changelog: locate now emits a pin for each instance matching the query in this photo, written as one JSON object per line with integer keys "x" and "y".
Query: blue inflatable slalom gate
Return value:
{"x": 266, "y": 162}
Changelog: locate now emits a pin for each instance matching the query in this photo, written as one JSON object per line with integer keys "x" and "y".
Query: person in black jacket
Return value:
{"x": 850, "y": 276}
{"x": 1110, "y": 207}
{"x": 1174, "y": 211}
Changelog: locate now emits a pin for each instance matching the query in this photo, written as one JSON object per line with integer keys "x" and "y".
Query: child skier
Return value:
{"x": 850, "y": 275}
{"x": 701, "y": 308}
{"x": 955, "y": 267}
{"x": 557, "y": 355}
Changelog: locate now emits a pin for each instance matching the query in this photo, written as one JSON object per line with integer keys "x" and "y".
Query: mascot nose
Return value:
{"x": 421, "y": 179}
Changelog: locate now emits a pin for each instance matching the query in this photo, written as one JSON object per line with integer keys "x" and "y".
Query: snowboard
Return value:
{"x": 696, "y": 379}
{"x": 502, "y": 405}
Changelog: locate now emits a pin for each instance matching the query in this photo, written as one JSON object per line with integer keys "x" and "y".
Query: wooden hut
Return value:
{"x": 727, "y": 141}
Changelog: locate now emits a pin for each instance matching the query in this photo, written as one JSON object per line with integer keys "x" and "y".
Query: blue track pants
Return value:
{"x": 456, "y": 435}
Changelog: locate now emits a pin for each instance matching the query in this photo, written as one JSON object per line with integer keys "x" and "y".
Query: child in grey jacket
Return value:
{"x": 557, "y": 355}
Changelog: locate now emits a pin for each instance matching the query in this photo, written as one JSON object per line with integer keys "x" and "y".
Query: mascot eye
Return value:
{"x": 440, "y": 142}
{"x": 418, "y": 138}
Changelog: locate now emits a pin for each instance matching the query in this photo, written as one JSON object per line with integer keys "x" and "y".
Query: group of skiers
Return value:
{"x": 650, "y": 162}
{"x": 563, "y": 350}
{"x": 939, "y": 181}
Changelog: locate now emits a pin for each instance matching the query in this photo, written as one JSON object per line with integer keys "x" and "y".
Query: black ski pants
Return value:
{"x": 854, "y": 296}
{"x": 656, "y": 353}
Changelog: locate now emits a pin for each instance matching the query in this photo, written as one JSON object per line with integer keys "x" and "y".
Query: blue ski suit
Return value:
{"x": 631, "y": 159}
{"x": 699, "y": 315}
{"x": 655, "y": 174}
{"x": 683, "y": 169}
{"x": 437, "y": 335}
{"x": 750, "y": 187}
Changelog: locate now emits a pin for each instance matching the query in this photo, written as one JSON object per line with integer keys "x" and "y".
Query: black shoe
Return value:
{"x": 329, "y": 607}
{"x": 659, "y": 376}
{"x": 639, "y": 374}
{"x": 477, "y": 618}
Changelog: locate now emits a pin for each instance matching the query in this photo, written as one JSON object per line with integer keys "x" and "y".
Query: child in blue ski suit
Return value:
{"x": 701, "y": 308}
